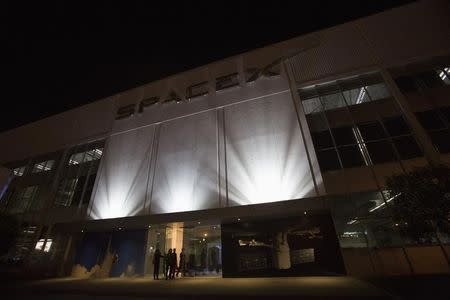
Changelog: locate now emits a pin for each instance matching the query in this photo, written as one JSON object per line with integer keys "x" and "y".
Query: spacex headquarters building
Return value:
{"x": 268, "y": 163}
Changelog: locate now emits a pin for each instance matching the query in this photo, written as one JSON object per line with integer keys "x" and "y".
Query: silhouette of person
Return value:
{"x": 173, "y": 264}
{"x": 167, "y": 261}
{"x": 203, "y": 257}
{"x": 156, "y": 261}
{"x": 182, "y": 264}
{"x": 214, "y": 261}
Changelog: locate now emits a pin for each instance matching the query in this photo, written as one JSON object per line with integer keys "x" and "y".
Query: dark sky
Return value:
{"x": 61, "y": 55}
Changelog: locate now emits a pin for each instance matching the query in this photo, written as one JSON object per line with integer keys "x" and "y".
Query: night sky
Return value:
{"x": 62, "y": 55}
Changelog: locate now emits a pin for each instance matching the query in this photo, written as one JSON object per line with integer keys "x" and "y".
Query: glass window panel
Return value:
{"x": 98, "y": 153}
{"x": 66, "y": 191}
{"x": 78, "y": 190}
{"x": 407, "y": 147}
{"x": 406, "y": 84}
{"x": 27, "y": 198}
{"x": 328, "y": 160}
{"x": 444, "y": 75}
{"x": 49, "y": 165}
{"x": 441, "y": 139}
{"x": 88, "y": 156}
{"x": 351, "y": 156}
{"x": 39, "y": 167}
{"x": 396, "y": 126}
{"x": 19, "y": 171}
{"x": 312, "y": 106}
{"x": 378, "y": 91}
{"x": 356, "y": 96}
{"x": 317, "y": 122}
{"x": 89, "y": 188}
{"x": 430, "y": 119}
{"x": 380, "y": 152}
{"x": 43, "y": 166}
{"x": 430, "y": 78}
{"x": 322, "y": 139}
{"x": 344, "y": 135}
{"x": 332, "y": 101}
{"x": 371, "y": 131}
{"x": 76, "y": 158}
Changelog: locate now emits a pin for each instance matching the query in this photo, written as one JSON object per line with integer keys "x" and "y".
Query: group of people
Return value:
{"x": 171, "y": 269}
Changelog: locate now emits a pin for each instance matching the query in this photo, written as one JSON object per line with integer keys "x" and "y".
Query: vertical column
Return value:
{"x": 66, "y": 255}
{"x": 221, "y": 159}
{"x": 304, "y": 130}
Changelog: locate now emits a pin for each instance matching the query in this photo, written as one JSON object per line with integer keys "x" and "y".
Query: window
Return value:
{"x": 396, "y": 126}
{"x": 19, "y": 171}
{"x": 436, "y": 123}
{"x": 406, "y": 84}
{"x": 380, "y": 152}
{"x": 424, "y": 79}
{"x": 366, "y": 143}
{"x": 24, "y": 200}
{"x": 407, "y": 147}
{"x": 312, "y": 105}
{"x": 43, "y": 166}
{"x": 322, "y": 139}
{"x": 344, "y": 135}
{"x": 430, "y": 119}
{"x": 444, "y": 75}
{"x": 441, "y": 140}
{"x": 371, "y": 131}
{"x": 40, "y": 245}
{"x": 343, "y": 92}
{"x": 227, "y": 81}
{"x": 86, "y": 156}
{"x": 328, "y": 160}
{"x": 351, "y": 156}
{"x": 66, "y": 192}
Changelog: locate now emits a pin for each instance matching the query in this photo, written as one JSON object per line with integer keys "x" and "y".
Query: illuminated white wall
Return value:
{"x": 266, "y": 159}
{"x": 186, "y": 165}
{"x": 123, "y": 175}
{"x": 258, "y": 142}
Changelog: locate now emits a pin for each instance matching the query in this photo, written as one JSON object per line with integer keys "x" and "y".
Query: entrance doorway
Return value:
{"x": 201, "y": 245}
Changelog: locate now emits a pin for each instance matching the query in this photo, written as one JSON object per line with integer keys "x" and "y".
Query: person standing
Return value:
{"x": 182, "y": 265}
{"x": 156, "y": 261}
{"x": 173, "y": 264}
{"x": 167, "y": 261}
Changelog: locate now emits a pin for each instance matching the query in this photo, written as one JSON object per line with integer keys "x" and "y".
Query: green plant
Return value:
{"x": 421, "y": 199}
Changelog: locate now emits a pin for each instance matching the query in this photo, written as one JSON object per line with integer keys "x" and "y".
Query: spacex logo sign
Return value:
{"x": 198, "y": 89}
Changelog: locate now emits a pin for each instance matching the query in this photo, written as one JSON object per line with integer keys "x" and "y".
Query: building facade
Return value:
{"x": 269, "y": 163}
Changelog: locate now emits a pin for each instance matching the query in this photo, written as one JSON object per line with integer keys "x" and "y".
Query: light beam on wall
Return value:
{"x": 266, "y": 159}
{"x": 123, "y": 174}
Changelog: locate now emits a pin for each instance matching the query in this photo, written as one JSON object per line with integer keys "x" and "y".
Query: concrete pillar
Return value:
{"x": 282, "y": 255}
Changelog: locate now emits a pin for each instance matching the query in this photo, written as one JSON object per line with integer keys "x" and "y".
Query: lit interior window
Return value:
{"x": 19, "y": 171}
{"x": 445, "y": 75}
{"x": 48, "y": 245}
{"x": 82, "y": 157}
{"x": 43, "y": 166}
{"x": 40, "y": 245}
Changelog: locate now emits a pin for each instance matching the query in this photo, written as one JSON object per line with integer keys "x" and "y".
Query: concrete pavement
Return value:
{"x": 323, "y": 287}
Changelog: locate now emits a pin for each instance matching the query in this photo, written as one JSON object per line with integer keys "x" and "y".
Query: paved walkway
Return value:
{"x": 207, "y": 288}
